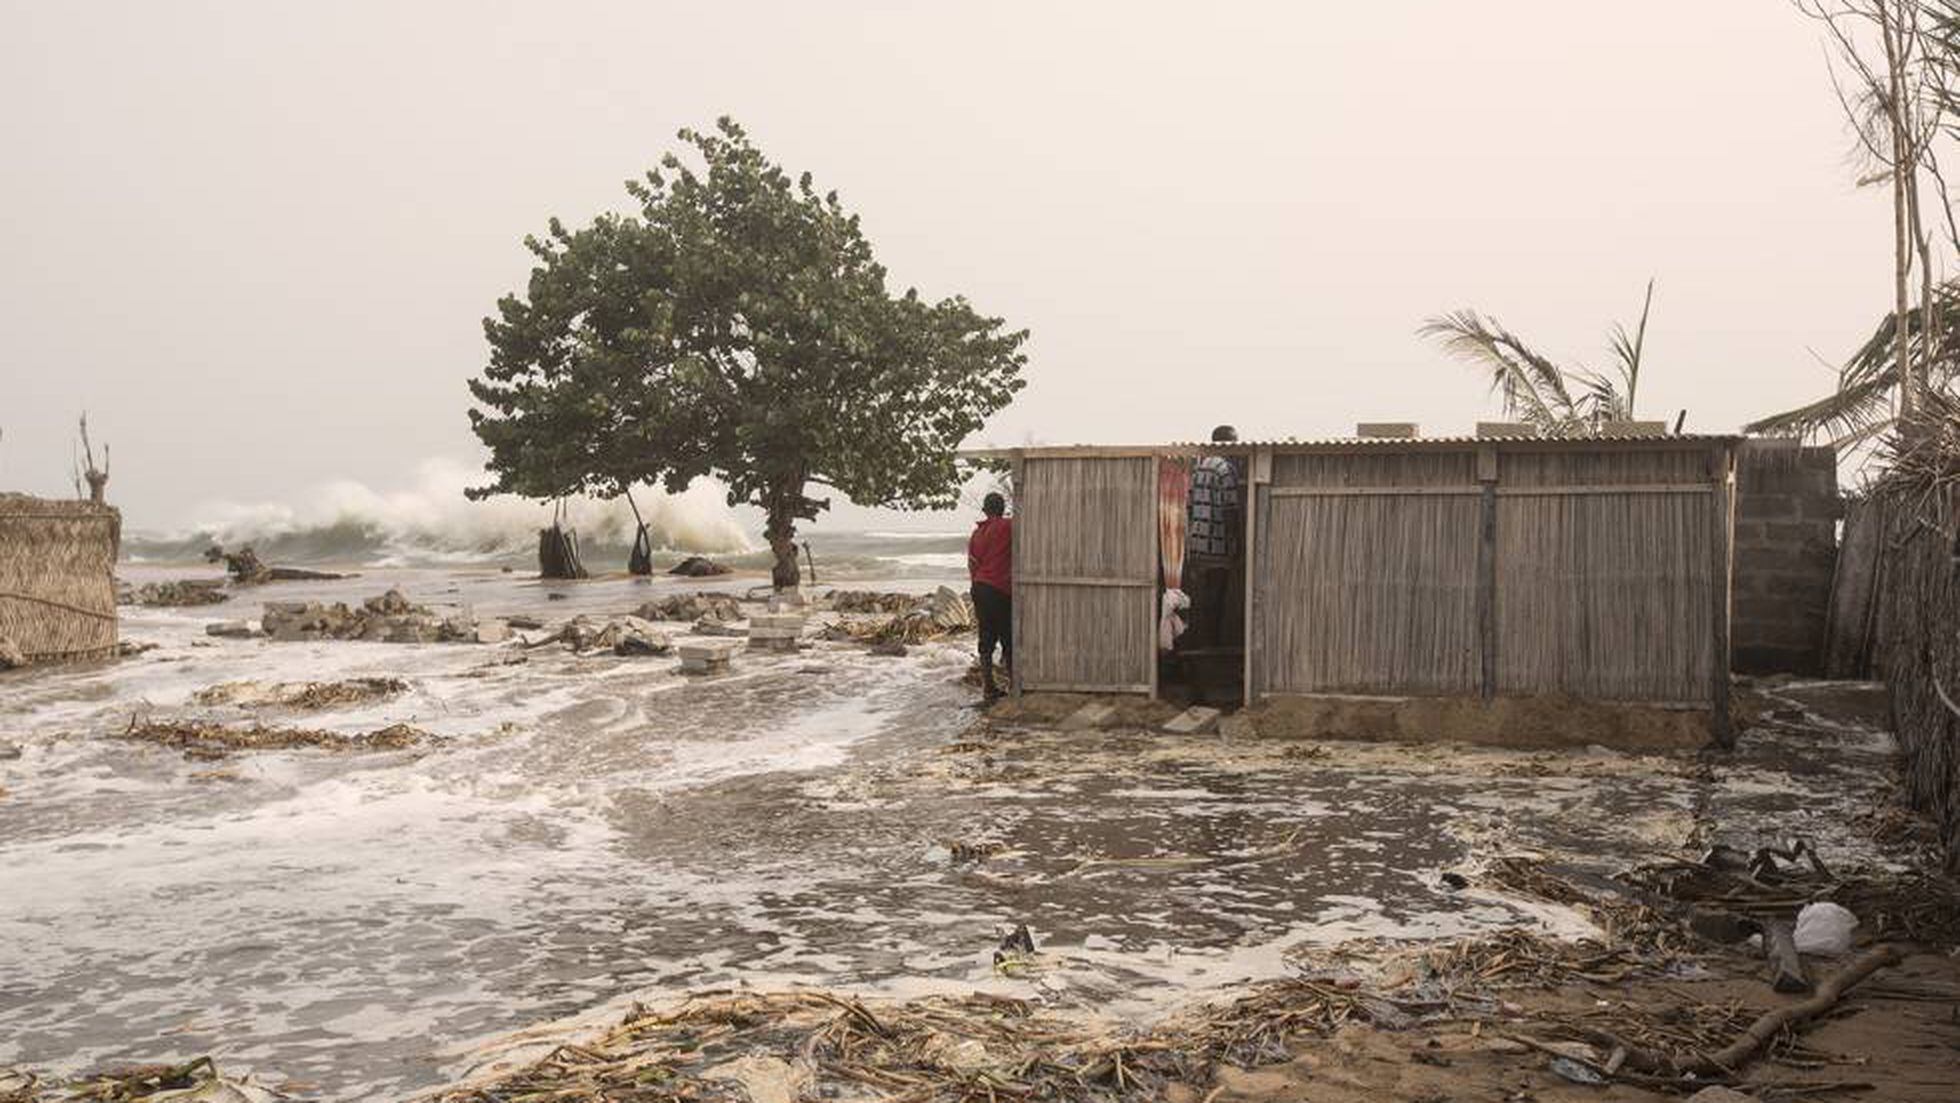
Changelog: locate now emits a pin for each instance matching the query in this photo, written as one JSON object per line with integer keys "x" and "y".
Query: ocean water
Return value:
{"x": 588, "y": 830}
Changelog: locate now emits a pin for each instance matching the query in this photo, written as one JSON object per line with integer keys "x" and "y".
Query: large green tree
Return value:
{"x": 738, "y": 327}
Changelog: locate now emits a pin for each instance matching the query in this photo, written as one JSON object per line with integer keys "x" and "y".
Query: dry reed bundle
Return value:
{"x": 57, "y": 577}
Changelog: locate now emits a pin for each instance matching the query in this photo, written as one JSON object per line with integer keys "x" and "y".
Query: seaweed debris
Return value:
{"x": 199, "y": 739}
{"x": 301, "y": 695}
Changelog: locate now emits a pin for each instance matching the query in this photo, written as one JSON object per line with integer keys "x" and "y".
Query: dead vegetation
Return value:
{"x": 309, "y": 696}
{"x": 203, "y": 740}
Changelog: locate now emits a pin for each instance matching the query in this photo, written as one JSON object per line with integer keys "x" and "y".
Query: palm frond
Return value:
{"x": 1627, "y": 350}
{"x": 1518, "y": 372}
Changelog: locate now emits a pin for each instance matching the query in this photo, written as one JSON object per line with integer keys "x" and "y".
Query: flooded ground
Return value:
{"x": 595, "y": 829}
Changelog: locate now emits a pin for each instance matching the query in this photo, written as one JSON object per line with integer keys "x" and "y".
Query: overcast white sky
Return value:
{"x": 255, "y": 241}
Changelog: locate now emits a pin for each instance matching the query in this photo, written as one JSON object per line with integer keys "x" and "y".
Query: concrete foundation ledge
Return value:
{"x": 1535, "y": 721}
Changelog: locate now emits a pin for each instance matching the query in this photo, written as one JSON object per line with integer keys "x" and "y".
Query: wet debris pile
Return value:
{"x": 870, "y": 601}
{"x": 389, "y": 618}
{"x": 624, "y": 636}
{"x": 309, "y": 696}
{"x": 178, "y": 593}
{"x": 792, "y": 1045}
{"x": 933, "y": 616}
{"x": 197, "y": 1079}
{"x": 204, "y": 740}
{"x": 716, "y": 608}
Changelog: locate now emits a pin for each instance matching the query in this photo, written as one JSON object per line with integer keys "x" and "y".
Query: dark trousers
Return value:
{"x": 995, "y": 612}
{"x": 1208, "y": 583}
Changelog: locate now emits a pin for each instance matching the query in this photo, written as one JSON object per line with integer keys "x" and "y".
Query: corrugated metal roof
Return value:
{"x": 1386, "y": 444}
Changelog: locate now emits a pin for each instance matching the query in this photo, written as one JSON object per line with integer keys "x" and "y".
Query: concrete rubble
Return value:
{"x": 718, "y": 608}
{"x": 389, "y": 618}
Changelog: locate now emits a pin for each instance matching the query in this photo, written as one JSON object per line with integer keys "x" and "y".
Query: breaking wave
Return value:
{"x": 432, "y": 522}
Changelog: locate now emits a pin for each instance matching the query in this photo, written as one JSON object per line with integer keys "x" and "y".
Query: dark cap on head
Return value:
{"x": 993, "y": 505}
{"x": 1224, "y": 434}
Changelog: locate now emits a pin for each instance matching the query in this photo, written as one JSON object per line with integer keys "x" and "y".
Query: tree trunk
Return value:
{"x": 781, "y": 534}
{"x": 1902, "y": 251}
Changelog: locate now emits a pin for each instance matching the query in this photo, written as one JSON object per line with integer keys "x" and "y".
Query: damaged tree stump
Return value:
{"x": 558, "y": 553}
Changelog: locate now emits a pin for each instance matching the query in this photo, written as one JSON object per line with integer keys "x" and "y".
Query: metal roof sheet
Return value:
{"x": 1387, "y": 444}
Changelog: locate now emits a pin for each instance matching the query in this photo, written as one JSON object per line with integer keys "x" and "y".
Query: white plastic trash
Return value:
{"x": 1824, "y": 928}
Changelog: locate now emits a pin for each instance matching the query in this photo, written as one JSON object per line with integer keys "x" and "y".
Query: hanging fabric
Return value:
{"x": 1173, "y": 494}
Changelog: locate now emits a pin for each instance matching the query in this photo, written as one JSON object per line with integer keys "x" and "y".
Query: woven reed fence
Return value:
{"x": 1917, "y": 647}
{"x": 57, "y": 577}
{"x": 1085, "y": 574}
{"x": 1595, "y": 572}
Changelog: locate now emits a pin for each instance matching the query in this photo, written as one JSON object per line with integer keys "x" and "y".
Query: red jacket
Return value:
{"x": 990, "y": 554}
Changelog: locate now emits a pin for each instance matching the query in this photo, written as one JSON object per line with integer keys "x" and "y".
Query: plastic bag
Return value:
{"x": 1824, "y": 928}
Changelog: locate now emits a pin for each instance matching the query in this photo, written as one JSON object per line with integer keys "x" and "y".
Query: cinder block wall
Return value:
{"x": 1786, "y": 510}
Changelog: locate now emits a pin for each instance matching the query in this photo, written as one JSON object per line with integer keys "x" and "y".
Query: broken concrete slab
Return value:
{"x": 232, "y": 629}
{"x": 1092, "y": 715}
{"x": 1195, "y": 720}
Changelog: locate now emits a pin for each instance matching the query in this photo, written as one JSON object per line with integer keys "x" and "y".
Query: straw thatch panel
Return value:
{"x": 1369, "y": 593}
{"x": 1603, "y": 467}
{"x": 1085, "y": 589}
{"x": 57, "y": 577}
{"x": 1607, "y": 595}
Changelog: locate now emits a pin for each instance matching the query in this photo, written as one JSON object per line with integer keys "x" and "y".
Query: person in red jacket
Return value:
{"x": 990, "y": 562}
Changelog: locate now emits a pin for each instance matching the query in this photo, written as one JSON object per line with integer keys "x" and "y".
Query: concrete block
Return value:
{"x": 1387, "y": 430}
{"x": 707, "y": 651}
{"x": 757, "y": 633}
{"x": 1192, "y": 721}
{"x": 792, "y": 621}
{"x": 1765, "y": 507}
{"x": 1506, "y": 429}
{"x": 1092, "y": 715}
{"x": 492, "y": 631}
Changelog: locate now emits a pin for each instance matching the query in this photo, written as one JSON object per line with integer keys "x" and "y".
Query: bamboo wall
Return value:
{"x": 57, "y": 577}
{"x": 1599, "y": 572}
{"x": 1919, "y": 651}
{"x": 1085, "y": 573}
{"x": 1368, "y": 592}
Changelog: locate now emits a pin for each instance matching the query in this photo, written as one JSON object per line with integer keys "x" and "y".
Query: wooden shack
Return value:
{"x": 57, "y": 577}
{"x": 1467, "y": 569}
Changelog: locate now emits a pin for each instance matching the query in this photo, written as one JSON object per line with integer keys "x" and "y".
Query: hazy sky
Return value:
{"x": 256, "y": 240}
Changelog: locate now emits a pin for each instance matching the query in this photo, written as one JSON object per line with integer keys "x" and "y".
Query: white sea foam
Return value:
{"x": 431, "y": 519}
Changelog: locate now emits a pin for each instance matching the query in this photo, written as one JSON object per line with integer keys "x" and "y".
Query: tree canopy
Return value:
{"x": 737, "y": 326}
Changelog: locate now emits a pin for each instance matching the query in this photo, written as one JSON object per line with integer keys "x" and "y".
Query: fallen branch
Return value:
{"x": 1771, "y": 1023}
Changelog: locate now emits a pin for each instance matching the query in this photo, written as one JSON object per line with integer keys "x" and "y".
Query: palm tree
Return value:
{"x": 1557, "y": 401}
{"x": 1866, "y": 402}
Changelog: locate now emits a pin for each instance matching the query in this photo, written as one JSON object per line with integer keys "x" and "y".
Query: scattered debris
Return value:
{"x": 524, "y": 622}
{"x": 231, "y": 630}
{"x": 934, "y": 616}
{"x": 691, "y": 607}
{"x": 871, "y": 601}
{"x": 627, "y": 635}
{"x": 246, "y": 569}
{"x": 126, "y": 649}
{"x": 300, "y": 695}
{"x": 389, "y": 618}
{"x": 695, "y": 566}
{"x": 200, "y": 739}
{"x": 1016, "y": 949}
{"x": 184, "y": 591}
